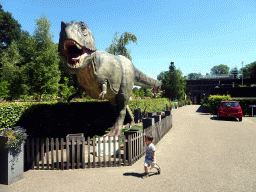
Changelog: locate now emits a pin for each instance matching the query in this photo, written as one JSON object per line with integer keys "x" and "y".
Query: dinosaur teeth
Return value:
{"x": 76, "y": 58}
{"x": 78, "y": 46}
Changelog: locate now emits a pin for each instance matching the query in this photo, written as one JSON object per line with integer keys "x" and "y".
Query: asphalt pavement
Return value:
{"x": 200, "y": 153}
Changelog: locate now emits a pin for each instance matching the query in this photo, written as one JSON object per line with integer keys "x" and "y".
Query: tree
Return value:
{"x": 9, "y": 29}
{"x": 118, "y": 45}
{"x": 134, "y": 89}
{"x": 172, "y": 67}
{"x": 220, "y": 69}
{"x": 27, "y": 48}
{"x": 192, "y": 76}
{"x": 12, "y": 73}
{"x": 253, "y": 70}
{"x": 249, "y": 71}
{"x": 173, "y": 83}
{"x": 66, "y": 90}
{"x": 245, "y": 71}
{"x": 182, "y": 86}
{"x": 43, "y": 72}
{"x": 4, "y": 90}
{"x": 162, "y": 75}
{"x": 234, "y": 71}
{"x": 142, "y": 94}
{"x": 147, "y": 91}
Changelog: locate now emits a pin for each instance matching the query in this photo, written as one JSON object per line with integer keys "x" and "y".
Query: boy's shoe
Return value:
{"x": 159, "y": 171}
{"x": 145, "y": 175}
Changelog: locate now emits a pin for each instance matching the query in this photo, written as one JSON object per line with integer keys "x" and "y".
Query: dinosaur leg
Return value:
{"x": 132, "y": 123}
{"x": 121, "y": 111}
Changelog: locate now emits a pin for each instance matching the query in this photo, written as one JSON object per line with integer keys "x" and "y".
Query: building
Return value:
{"x": 203, "y": 86}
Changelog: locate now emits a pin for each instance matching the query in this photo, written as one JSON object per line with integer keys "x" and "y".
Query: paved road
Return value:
{"x": 200, "y": 153}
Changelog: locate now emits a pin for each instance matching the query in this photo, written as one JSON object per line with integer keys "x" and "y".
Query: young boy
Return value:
{"x": 150, "y": 158}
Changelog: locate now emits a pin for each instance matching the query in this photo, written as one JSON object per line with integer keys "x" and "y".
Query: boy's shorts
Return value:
{"x": 149, "y": 162}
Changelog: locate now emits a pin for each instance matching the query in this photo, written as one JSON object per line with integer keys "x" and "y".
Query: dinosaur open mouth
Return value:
{"x": 75, "y": 53}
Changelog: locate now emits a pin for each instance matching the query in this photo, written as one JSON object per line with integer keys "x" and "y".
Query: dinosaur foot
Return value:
{"x": 113, "y": 133}
{"x": 132, "y": 124}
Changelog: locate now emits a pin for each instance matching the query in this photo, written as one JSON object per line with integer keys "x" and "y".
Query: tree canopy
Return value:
{"x": 173, "y": 83}
{"x": 11, "y": 73}
{"x": 192, "y": 76}
{"x": 118, "y": 45}
{"x": 220, "y": 69}
{"x": 249, "y": 71}
{"x": 10, "y": 29}
{"x": 43, "y": 70}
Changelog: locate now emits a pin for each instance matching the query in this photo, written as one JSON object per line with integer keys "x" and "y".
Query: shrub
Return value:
{"x": 66, "y": 91}
{"x": 215, "y": 100}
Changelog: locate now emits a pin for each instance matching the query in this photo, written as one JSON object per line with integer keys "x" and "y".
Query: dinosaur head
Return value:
{"x": 76, "y": 44}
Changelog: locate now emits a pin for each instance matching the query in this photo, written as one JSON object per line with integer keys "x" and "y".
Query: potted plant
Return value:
{"x": 12, "y": 154}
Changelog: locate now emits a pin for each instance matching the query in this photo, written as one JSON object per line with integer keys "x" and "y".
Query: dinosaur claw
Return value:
{"x": 102, "y": 94}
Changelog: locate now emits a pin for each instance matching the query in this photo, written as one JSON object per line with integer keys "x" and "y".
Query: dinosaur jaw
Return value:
{"x": 75, "y": 53}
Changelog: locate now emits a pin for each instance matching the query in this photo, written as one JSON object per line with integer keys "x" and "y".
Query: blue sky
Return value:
{"x": 195, "y": 34}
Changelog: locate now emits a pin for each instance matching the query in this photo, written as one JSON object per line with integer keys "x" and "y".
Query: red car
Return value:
{"x": 230, "y": 109}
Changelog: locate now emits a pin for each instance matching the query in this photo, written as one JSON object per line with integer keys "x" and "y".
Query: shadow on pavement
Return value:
{"x": 202, "y": 109}
{"x": 224, "y": 119}
{"x": 138, "y": 174}
{"x": 133, "y": 174}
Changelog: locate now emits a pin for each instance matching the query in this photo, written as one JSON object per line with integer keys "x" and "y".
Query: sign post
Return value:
{"x": 252, "y": 108}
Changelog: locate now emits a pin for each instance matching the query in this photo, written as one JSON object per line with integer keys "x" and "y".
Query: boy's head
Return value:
{"x": 149, "y": 138}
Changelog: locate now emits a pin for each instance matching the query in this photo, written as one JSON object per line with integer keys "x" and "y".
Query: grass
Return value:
{"x": 123, "y": 130}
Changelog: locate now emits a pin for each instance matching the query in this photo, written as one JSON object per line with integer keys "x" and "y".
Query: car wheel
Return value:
{"x": 240, "y": 119}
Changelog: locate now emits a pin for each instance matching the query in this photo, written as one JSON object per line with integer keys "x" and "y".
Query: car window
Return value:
{"x": 230, "y": 104}
{"x": 234, "y": 104}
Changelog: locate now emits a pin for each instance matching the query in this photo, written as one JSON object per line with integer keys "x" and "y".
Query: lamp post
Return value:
{"x": 242, "y": 74}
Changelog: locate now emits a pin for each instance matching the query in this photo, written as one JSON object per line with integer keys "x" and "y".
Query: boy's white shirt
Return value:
{"x": 153, "y": 151}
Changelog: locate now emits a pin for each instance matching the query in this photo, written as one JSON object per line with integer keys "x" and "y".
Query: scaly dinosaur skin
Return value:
{"x": 101, "y": 74}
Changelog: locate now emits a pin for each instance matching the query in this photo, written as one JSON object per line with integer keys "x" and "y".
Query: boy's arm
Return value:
{"x": 153, "y": 158}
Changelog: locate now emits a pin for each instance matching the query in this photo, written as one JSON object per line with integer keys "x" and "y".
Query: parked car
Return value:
{"x": 230, "y": 109}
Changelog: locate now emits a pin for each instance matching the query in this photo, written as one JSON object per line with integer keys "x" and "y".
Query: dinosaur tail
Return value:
{"x": 142, "y": 80}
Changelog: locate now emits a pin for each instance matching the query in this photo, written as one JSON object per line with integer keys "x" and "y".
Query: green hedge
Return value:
{"x": 215, "y": 100}
{"x": 149, "y": 105}
{"x": 10, "y": 113}
{"x": 244, "y": 103}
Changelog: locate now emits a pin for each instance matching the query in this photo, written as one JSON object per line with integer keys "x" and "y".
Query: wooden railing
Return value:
{"x": 58, "y": 154}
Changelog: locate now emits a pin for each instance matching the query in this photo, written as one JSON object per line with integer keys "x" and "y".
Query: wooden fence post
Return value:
{"x": 37, "y": 153}
{"x": 119, "y": 150}
{"x": 104, "y": 152}
{"x": 147, "y": 122}
{"x": 67, "y": 150}
{"x": 57, "y": 153}
{"x": 125, "y": 149}
{"x": 62, "y": 148}
{"x": 52, "y": 148}
{"x": 89, "y": 160}
{"x": 129, "y": 149}
{"x": 42, "y": 153}
{"x": 83, "y": 152}
{"x": 47, "y": 153}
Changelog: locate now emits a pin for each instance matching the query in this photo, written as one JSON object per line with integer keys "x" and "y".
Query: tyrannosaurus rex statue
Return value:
{"x": 101, "y": 74}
